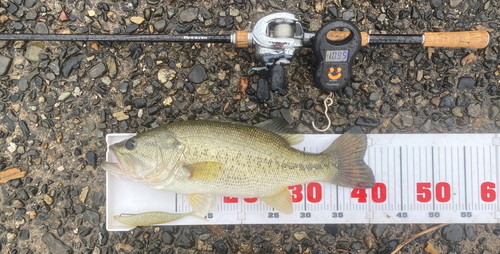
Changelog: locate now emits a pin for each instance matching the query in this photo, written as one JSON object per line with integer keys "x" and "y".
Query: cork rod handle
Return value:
{"x": 340, "y": 35}
{"x": 468, "y": 39}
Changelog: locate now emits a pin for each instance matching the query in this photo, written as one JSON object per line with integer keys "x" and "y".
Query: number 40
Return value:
{"x": 379, "y": 193}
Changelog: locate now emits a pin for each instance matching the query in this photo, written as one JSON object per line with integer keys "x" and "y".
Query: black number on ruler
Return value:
{"x": 338, "y": 215}
{"x": 434, "y": 214}
{"x": 402, "y": 215}
{"x": 273, "y": 215}
{"x": 305, "y": 215}
{"x": 466, "y": 214}
{"x": 210, "y": 215}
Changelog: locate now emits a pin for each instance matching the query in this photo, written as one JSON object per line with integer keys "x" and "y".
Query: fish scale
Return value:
{"x": 243, "y": 147}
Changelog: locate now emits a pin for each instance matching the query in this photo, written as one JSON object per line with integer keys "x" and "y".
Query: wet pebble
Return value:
{"x": 197, "y": 74}
{"x": 91, "y": 158}
{"x": 185, "y": 239}
{"x": 466, "y": 83}
{"x": 263, "y": 93}
{"x": 140, "y": 103}
{"x": 135, "y": 51}
{"x": 453, "y": 232}
{"x": 5, "y": 63}
{"x": 188, "y": 15}
{"x": 474, "y": 110}
{"x": 378, "y": 230}
{"x": 367, "y": 121}
{"x": 55, "y": 245}
{"x": 221, "y": 247}
{"x": 493, "y": 111}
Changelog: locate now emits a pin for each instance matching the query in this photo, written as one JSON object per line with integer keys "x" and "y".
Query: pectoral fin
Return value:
{"x": 281, "y": 201}
{"x": 206, "y": 171}
{"x": 201, "y": 203}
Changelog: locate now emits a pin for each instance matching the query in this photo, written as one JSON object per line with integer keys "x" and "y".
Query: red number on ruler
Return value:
{"x": 230, "y": 200}
{"x": 443, "y": 192}
{"x": 379, "y": 193}
{"x": 314, "y": 192}
{"x": 250, "y": 200}
{"x": 360, "y": 194}
{"x": 488, "y": 193}
{"x": 424, "y": 192}
{"x": 296, "y": 193}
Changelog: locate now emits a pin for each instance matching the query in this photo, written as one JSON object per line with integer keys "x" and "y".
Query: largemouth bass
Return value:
{"x": 152, "y": 218}
{"x": 206, "y": 158}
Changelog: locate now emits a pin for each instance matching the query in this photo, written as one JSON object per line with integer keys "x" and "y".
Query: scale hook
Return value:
{"x": 328, "y": 102}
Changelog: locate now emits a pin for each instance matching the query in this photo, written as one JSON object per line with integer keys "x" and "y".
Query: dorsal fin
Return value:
{"x": 279, "y": 126}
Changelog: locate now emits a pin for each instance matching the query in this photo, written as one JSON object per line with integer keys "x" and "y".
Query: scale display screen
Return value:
{"x": 336, "y": 56}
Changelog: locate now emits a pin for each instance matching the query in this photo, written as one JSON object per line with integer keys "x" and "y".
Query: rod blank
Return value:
{"x": 119, "y": 37}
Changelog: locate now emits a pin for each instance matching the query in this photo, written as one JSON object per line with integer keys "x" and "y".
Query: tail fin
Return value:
{"x": 195, "y": 214}
{"x": 349, "y": 150}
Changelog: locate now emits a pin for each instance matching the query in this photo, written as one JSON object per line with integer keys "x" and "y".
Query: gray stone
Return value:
{"x": 41, "y": 28}
{"x": 55, "y": 245}
{"x": 89, "y": 126}
{"x": 474, "y": 110}
{"x": 30, "y": 3}
{"x": 54, "y": 66}
{"x": 403, "y": 119}
{"x": 466, "y": 83}
{"x": 5, "y": 63}
{"x": 455, "y": 3}
{"x": 188, "y": 15}
{"x": 348, "y": 15}
{"x": 23, "y": 84}
{"x": 98, "y": 70}
{"x": 426, "y": 126}
{"x": 446, "y": 101}
{"x": 327, "y": 240}
{"x": 68, "y": 64}
{"x": 453, "y": 232}
{"x": 31, "y": 15}
{"x": 367, "y": 121}
{"x": 33, "y": 49}
{"x": 160, "y": 25}
{"x": 374, "y": 97}
{"x": 378, "y": 230}
{"x": 185, "y": 239}
{"x": 197, "y": 74}
{"x": 92, "y": 217}
{"x": 493, "y": 112}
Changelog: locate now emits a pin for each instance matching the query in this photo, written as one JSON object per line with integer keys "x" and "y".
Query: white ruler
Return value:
{"x": 421, "y": 178}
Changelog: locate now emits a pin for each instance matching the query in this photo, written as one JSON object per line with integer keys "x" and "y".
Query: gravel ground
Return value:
{"x": 60, "y": 99}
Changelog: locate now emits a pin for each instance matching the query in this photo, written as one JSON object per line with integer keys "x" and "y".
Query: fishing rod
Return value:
{"x": 277, "y": 36}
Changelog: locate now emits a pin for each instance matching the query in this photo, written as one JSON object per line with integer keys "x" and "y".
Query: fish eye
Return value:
{"x": 130, "y": 144}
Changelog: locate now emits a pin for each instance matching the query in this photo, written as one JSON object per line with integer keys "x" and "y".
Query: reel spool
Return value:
{"x": 283, "y": 31}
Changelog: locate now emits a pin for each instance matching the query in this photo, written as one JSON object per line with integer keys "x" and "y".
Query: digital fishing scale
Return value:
{"x": 334, "y": 59}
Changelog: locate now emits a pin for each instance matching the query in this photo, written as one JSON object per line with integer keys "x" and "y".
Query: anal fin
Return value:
{"x": 201, "y": 203}
{"x": 281, "y": 201}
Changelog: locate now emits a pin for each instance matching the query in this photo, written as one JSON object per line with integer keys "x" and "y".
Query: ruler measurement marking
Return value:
{"x": 465, "y": 178}
{"x": 401, "y": 172}
{"x": 433, "y": 198}
{"x": 175, "y": 202}
{"x": 452, "y": 178}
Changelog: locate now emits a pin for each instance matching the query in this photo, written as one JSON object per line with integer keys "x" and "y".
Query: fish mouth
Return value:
{"x": 120, "y": 168}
